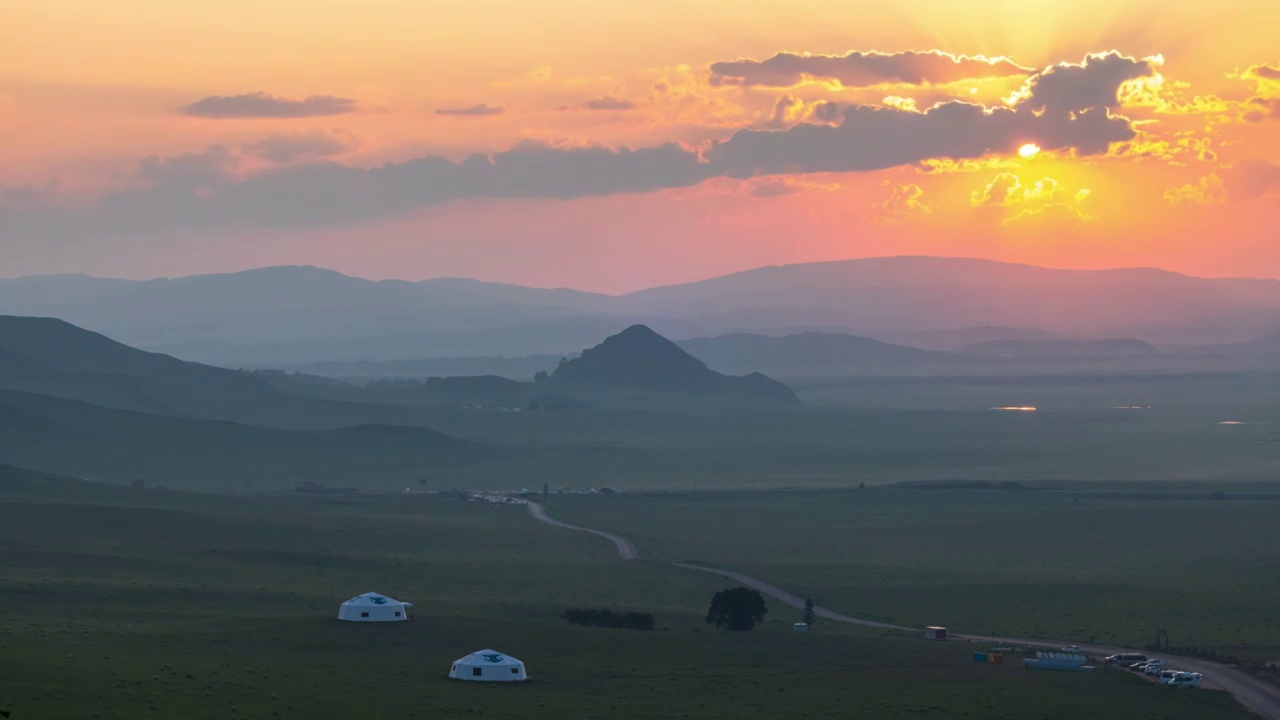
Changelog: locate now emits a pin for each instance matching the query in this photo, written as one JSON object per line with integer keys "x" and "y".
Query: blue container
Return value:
{"x": 980, "y": 657}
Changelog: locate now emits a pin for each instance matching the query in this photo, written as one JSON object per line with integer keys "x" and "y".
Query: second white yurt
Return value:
{"x": 374, "y": 607}
{"x": 488, "y": 666}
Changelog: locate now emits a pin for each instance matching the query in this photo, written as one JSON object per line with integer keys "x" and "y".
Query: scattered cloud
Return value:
{"x": 905, "y": 202}
{"x": 1265, "y": 105}
{"x": 1237, "y": 181}
{"x": 1007, "y": 189}
{"x": 608, "y": 102}
{"x": 1176, "y": 151}
{"x": 480, "y": 110}
{"x": 263, "y": 105}
{"x": 862, "y": 69}
{"x": 204, "y": 190}
{"x": 282, "y": 149}
{"x": 1056, "y": 215}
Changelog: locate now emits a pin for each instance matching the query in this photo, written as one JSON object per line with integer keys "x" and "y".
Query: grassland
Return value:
{"x": 123, "y": 603}
{"x": 1105, "y": 563}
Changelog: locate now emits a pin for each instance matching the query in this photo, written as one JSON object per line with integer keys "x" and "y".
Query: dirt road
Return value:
{"x": 626, "y": 549}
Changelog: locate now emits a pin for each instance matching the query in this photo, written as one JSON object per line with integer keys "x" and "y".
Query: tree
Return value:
{"x": 533, "y": 406}
{"x": 808, "y": 611}
{"x": 540, "y": 376}
{"x": 739, "y": 608}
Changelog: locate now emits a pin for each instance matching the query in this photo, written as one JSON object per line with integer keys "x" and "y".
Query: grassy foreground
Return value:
{"x": 135, "y": 604}
{"x": 1104, "y": 563}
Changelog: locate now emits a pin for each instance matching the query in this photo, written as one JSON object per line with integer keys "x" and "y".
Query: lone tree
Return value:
{"x": 739, "y": 608}
{"x": 809, "y": 617}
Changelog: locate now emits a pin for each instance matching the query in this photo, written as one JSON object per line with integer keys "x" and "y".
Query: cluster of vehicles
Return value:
{"x": 1151, "y": 666}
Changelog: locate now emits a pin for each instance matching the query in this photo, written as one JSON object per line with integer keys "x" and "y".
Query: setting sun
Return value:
{"x": 1029, "y": 150}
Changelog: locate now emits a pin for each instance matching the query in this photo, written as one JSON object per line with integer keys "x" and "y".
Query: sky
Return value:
{"x": 611, "y": 146}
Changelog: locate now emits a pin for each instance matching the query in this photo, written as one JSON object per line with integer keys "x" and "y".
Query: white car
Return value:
{"x": 1186, "y": 679}
{"x": 1072, "y": 649}
{"x": 1153, "y": 667}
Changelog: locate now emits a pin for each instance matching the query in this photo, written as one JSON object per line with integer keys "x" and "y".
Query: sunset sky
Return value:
{"x": 610, "y": 146}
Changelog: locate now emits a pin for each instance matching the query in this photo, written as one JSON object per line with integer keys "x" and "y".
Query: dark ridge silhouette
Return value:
{"x": 1123, "y": 347}
{"x": 639, "y": 358}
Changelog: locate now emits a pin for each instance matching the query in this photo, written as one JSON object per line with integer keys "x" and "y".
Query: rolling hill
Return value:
{"x": 52, "y": 357}
{"x": 81, "y": 440}
{"x": 809, "y": 354}
{"x": 640, "y": 359}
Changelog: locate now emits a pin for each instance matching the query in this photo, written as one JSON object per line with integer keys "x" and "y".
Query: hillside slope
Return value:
{"x": 640, "y": 359}
{"x": 81, "y": 440}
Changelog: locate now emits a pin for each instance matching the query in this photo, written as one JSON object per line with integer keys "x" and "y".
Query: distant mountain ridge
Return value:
{"x": 297, "y": 315}
{"x": 1119, "y": 347}
{"x": 808, "y": 353}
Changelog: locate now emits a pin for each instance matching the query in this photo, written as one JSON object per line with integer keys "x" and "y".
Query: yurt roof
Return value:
{"x": 487, "y": 657}
{"x": 374, "y": 599}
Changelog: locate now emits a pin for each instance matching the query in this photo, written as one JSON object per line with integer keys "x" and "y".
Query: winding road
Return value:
{"x": 1257, "y": 695}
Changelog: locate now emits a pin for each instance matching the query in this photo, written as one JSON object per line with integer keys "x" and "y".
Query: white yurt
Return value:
{"x": 488, "y": 666}
{"x": 374, "y": 607}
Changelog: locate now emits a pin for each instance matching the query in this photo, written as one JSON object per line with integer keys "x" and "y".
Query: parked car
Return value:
{"x": 1167, "y": 675}
{"x": 1071, "y": 649}
{"x": 1186, "y": 679}
{"x": 1139, "y": 666}
{"x": 1126, "y": 659}
{"x": 1154, "y": 667}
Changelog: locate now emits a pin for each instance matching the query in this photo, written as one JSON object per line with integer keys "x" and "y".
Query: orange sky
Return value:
{"x": 143, "y": 137}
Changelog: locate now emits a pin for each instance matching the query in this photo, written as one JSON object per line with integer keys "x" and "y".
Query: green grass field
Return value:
{"x": 1111, "y": 564}
{"x": 122, "y": 603}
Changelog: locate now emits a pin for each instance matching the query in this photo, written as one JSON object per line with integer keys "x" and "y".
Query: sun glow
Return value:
{"x": 1029, "y": 150}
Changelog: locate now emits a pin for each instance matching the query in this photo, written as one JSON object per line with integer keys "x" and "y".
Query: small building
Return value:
{"x": 934, "y": 632}
{"x": 374, "y": 607}
{"x": 488, "y": 666}
{"x": 801, "y": 627}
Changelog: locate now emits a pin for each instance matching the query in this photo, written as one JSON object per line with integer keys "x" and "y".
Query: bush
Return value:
{"x": 588, "y": 617}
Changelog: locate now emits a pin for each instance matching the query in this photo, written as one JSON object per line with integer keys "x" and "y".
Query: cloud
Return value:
{"x": 198, "y": 191}
{"x": 1007, "y": 189}
{"x": 608, "y": 102}
{"x": 263, "y": 105}
{"x": 1266, "y": 104}
{"x": 22, "y": 194}
{"x": 862, "y": 69}
{"x": 1050, "y": 216}
{"x": 1067, "y": 107}
{"x": 189, "y": 170}
{"x": 783, "y": 186}
{"x": 283, "y": 149}
{"x": 905, "y": 202}
{"x": 1094, "y": 83}
{"x": 481, "y": 110}
{"x": 1235, "y": 182}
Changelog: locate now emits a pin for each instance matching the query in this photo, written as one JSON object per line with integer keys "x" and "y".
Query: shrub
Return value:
{"x": 588, "y": 617}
